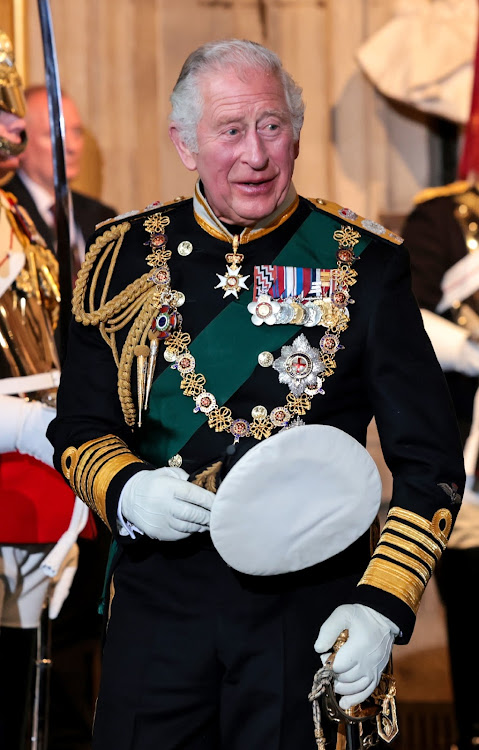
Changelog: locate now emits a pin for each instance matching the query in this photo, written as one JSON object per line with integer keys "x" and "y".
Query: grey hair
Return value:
{"x": 186, "y": 99}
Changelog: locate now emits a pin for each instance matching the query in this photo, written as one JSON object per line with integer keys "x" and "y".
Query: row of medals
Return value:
{"x": 295, "y": 369}
{"x": 329, "y": 312}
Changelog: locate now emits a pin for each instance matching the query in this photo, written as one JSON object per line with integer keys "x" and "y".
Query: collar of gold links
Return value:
{"x": 166, "y": 326}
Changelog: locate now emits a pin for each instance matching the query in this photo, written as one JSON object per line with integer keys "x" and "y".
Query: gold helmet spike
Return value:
{"x": 11, "y": 87}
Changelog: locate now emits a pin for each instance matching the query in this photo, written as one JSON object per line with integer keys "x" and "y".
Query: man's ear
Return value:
{"x": 296, "y": 149}
{"x": 187, "y": 157}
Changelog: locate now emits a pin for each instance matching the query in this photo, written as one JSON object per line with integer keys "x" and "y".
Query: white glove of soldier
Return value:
{"x": 24, "y": 424}
{"x": 62, "y": 582}
{"x": 163, "y": 505}
{"x": 359, "y": 663}
{"x": 451, "y": 344}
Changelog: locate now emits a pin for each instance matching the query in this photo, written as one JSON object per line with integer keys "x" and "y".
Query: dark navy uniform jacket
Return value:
{"x": 387, "y": 369}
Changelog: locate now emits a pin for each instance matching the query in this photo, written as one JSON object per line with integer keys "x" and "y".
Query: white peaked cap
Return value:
{"x": 294, "y": 500}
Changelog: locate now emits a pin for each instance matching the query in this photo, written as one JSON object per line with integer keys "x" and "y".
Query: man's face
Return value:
{"x": 37, "y": 158}
{"x": 246, "y": 149}
{"x": 11, "y": 128}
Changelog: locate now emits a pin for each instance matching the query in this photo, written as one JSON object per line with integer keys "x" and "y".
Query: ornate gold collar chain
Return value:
{"x": 301, "y": 367}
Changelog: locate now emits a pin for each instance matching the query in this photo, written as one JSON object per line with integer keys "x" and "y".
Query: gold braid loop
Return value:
{"x": 135, "y": 334}
{"x": 121, "y": 300}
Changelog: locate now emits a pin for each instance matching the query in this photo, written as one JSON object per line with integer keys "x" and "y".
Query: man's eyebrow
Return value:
{"x": 281, "y": 114}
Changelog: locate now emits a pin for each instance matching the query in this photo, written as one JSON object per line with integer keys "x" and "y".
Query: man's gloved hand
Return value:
{"x": 24, "y": 424}
{"x": 163, "y": 505}
{"x": 359, "y": 663}
{"x": 453, "y": 348}
{"x": 62, "y": 582}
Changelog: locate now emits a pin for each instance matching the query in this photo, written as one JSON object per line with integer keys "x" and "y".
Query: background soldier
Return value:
{"x": 36, "y": 509}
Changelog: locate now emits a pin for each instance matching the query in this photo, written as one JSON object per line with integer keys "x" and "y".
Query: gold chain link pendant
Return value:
{"x": 193, "y": 384}
{"x": 220, "y": 419}
{"x": 298, "y": 404}
{"x": 178, "y": 342}
{"x": 261, "y": 428}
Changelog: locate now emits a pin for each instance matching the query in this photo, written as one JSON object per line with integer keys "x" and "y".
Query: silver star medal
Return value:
{"x": 299, "y": 366}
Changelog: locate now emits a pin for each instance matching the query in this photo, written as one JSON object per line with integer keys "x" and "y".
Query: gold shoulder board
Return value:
{"x": 120, "y": 217}
{"x": 442, "y": 191}
{"x": 346, "y": 214}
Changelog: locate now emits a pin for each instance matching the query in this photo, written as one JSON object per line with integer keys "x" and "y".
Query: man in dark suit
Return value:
{"x": 76, "y": 633}
{"x": 33, "y": 183}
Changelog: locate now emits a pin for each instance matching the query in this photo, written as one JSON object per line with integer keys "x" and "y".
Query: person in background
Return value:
{"x": 212, "y": 336}
{"x": 76, "y": 633}
{"x": 442, "y": 234}
{"x": 33, "y": 182}
{"x": 39, "y": 518}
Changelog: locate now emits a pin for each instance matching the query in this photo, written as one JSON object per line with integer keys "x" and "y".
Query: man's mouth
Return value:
{"x": 255, "y": 185}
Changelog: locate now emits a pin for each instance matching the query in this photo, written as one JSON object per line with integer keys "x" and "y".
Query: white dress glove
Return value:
{"x": 451, "y": 344}
{"x": 163, "y": 505}
{"x": 24, "y": 424}
{"x": 359, "y": 663}
{"x": 62, "y": 582}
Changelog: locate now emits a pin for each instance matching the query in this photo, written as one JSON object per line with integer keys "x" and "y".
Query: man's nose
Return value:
{"x": 254, "y": 151}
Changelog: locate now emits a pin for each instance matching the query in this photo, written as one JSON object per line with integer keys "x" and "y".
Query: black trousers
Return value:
{"x": 200, "y": 657}
{"x": 76, "y": 650}
{"x": 456, "y": 570}
{"x": 17, "y": 654}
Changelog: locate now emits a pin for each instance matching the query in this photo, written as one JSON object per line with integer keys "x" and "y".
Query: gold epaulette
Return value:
{"x": 346, "y": 214}
{"x": 442, "y": 191}
{"x": 120, "y": 217}
{"x": 406, "y": 555}
{"x": 178, "y": 199}
{"x": 136, "y": 213}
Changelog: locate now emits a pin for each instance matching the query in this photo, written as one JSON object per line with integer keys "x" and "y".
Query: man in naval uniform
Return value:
{"x": 37, "y": 531}
{"x": 213, "y": 331}
{"x": 442, "y": 235}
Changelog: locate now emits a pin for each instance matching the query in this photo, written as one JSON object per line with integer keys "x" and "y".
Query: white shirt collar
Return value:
{"x": 206, "y": 218}
{"x": 42, "y": 198}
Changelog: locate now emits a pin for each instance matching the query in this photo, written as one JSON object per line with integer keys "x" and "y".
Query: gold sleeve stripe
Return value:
{"x": 432, "y": 528}
{"x": 407, "y": 552}
{"x": 416, "y": 537}
{"x": 390, "y": 553}
{"x": 409, "y": 517}
{"x": 409, "y": 548}
{"x": 91, "y": 468}
{"x": 88, "y": 475}
{"x": 396, "y": 580}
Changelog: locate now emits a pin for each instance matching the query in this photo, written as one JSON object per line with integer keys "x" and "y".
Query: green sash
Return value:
{"x": 171, "y": 421}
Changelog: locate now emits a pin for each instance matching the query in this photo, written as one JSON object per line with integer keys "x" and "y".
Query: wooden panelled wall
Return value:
{"x": 120, "y": 59}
